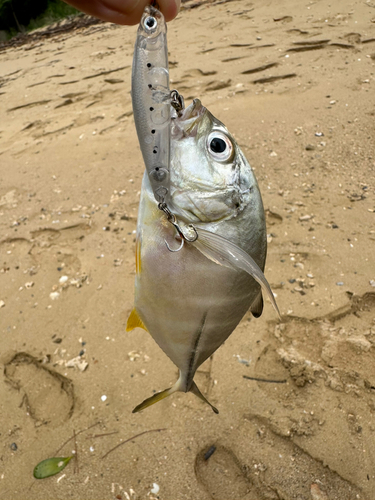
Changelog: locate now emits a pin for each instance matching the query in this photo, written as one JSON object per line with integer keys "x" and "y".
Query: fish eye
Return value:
{"x": 150, "y": 24}
{"x": 220, "y": 146}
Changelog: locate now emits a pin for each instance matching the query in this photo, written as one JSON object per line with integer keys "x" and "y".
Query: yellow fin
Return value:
{"x": 167, "y": 392}
{"x": 154, "y": 399}
{"x": 133, "y": 321}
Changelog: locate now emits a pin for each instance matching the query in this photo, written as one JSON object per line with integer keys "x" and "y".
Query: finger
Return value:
{"x": 124, "y": 11}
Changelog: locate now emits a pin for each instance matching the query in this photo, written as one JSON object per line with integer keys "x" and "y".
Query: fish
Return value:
{"x": 200, "y": 246}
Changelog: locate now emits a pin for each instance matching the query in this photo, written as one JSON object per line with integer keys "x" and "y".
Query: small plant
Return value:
{"x": 51, "y": 466}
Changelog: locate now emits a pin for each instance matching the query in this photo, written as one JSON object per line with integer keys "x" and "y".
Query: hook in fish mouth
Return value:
{"x": 186, "y": 124}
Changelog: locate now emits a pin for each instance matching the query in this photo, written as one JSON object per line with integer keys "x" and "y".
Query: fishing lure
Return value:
{"x": 151, "y": 99}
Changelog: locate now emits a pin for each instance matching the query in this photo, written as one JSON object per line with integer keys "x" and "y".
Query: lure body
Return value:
{"x": 151, "y": 99}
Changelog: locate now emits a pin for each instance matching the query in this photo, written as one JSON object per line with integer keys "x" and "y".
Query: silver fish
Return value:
{"x": 190, "y": 298}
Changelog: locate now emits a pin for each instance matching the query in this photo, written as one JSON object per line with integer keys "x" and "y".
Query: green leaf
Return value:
{"x": 51, "y": 466}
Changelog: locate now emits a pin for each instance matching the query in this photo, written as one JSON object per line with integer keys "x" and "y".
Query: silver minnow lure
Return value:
{"x": 191, "y": 299}
{"x": 151, "y": 99}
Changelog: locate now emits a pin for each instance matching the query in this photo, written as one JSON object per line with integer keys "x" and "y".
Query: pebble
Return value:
{"x": 63, "y": 280}
{"x": 209, "y": 452}
{"x": 54, "y": 295}
{"x": 133, "y": 355}
{"x": 103, "y": 398}
{"x": 305, "y": 217}
{"x": 340, "y": 283}
{"x": 317, "y": 493}
{"x": 242, "y": 360}
{"x": 2, "y": 303}
{"x": 155, "y": 488}
{"x": 77, "y": 362}
{"x": 372, "y": 283}
{"x": 14, "y": 447}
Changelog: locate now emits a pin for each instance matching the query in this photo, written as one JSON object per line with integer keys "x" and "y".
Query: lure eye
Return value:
{"x": 150, "y": 24}
{"x": 220, "y": 146}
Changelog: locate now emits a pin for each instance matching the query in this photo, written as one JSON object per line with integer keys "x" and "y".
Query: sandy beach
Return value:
{"x": 294, "y": 83}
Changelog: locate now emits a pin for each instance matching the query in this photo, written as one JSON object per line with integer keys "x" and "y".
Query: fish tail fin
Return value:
{"x": 178, "y": 386}
{"x": 158, "y": 396}
{"x": 194, "y": 389}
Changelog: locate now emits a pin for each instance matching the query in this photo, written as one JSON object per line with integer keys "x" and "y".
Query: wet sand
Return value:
{"x": 294, "y": 83}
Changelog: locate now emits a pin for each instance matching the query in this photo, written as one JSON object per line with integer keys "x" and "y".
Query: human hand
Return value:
{"x": 124, "y": 11}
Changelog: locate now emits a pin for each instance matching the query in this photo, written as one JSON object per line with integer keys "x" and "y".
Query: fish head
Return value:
{"x": 211, "y": 179}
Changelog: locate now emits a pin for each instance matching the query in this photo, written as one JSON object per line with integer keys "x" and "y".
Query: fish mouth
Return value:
{"x": 187, "y": 123}
{"x": 195, "y": 110}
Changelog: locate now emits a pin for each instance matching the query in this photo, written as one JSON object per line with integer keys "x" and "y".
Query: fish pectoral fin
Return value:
{"x": 225, "y": 253}
{"x": 194, "y": 389}
{"x": 133, "y": 321}
{"x": 155, "y": 399}
{"x": 256, "y": 307}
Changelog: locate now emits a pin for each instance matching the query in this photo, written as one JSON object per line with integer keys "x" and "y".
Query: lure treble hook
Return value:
{"x": 172, "y": 219}
{"x": 177, "y": 102}
{"x": 177, "y": 249}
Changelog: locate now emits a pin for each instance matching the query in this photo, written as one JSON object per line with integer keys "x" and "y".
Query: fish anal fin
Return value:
{"x": 134, "y": 321}
{"x": 194, "y": 389}
{"x": 256, "y": 307}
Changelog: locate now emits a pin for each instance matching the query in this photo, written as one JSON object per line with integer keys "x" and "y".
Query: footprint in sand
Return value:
{"x": 251, "y": 473}
{"x": 222, "y": 474}
{"x": 47, "y": 396}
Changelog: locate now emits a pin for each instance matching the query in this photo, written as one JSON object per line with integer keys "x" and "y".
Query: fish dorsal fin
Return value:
{"x": 133, "y": 321}
{"x": 225, "y": 253}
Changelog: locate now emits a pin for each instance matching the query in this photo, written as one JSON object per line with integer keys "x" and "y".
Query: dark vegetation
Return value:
{"x": 19, "y": 16}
